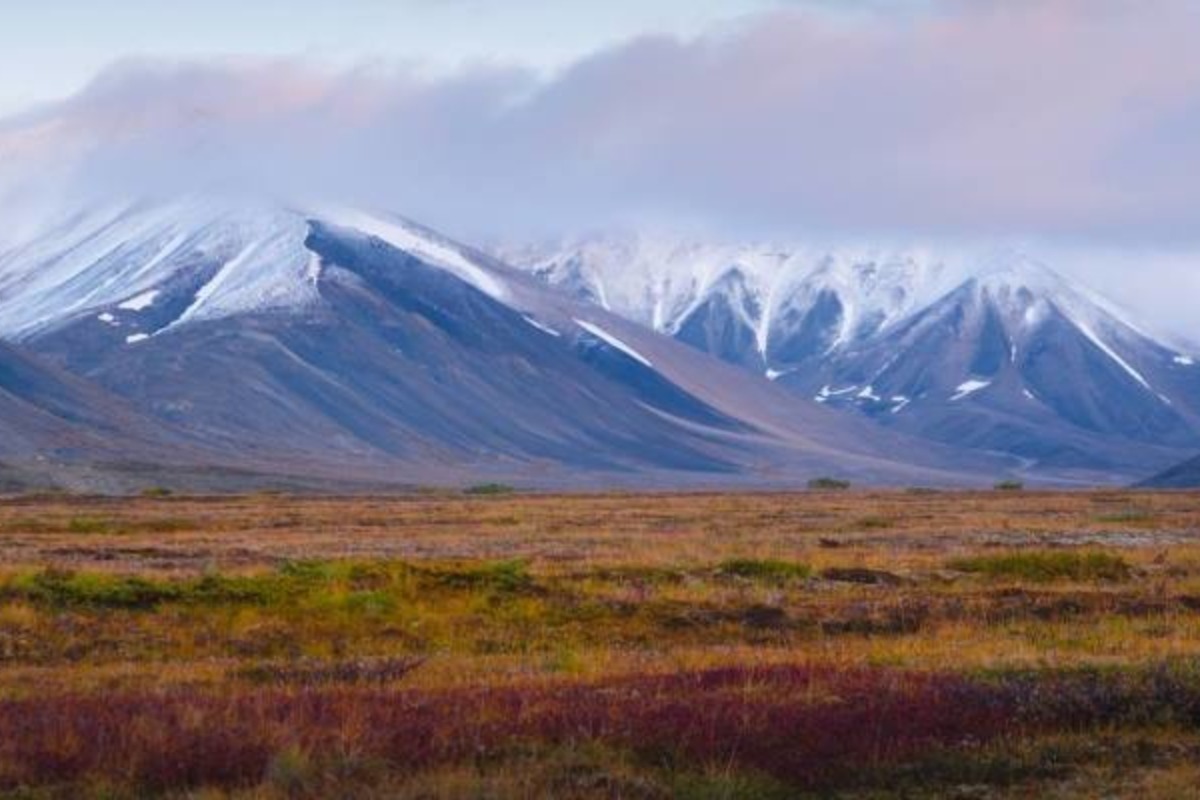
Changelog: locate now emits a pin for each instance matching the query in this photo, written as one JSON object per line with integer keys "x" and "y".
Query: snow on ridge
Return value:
{"x": 659, "y": 280}
{"x": 968, "y": 388}
{"x": 423, "y": 246}
{"x": 868, "y": 393}
{"x": 613, "y": 341}
{"x": 546, "y": 329}
{"x": 141, "y": 302}
{"x": 105, "y": 257}
{"x": 1185, "y": 361}
{"x": 1087, "y": 331}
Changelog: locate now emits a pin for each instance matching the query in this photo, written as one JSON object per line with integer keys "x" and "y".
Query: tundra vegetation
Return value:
{"x": 860, "y": 644}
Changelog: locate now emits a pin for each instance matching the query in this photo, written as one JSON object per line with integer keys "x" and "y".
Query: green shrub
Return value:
{"x": 765, "y": 570}
{"x": 1009, "y": 486}
{"x": 1045, "y": 566}
{"x": 500, "y": 576}
{"x": 292, "y": 773}
{"x": 489, "y": 489}
{"x": 65, "y": 588}
{"x": 827, "y": 484}
{"x": 91, "y": 525}
{"x": 156, "y": 491}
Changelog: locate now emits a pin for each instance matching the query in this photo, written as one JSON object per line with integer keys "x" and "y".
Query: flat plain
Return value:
{"x": 862, "y": 644}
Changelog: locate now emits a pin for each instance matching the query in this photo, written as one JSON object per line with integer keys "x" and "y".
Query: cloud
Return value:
{"x": 1067, "y": 118}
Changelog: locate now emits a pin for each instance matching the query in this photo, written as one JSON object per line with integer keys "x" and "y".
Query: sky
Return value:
{"x": 1069, "y": 125}
{"x": 53, "y": 48}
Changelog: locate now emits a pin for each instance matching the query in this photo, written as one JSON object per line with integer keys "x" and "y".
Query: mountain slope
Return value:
{"x": 989, "y": 350}
{"x": 1180, "y": 476}
{"x": 356, "y": 345}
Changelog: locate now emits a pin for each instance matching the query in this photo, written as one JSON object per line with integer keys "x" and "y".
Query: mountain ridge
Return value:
{"x": 366, "y": 346}
{"x": 990, "y": 348}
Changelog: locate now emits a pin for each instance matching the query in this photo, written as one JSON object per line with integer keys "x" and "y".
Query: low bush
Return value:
{"x": 1009, "y": 486}
{"x": 501, "y": 576}
{"x": 828, "y": 484}
{"x": 318, "y": 673}
{"x": 91, "y": 525}
{"x": 808, "y": 726}
{"x": 1045, "y": 566}
{"x": 765, "y": 570}
{"x": 486, "y": 489}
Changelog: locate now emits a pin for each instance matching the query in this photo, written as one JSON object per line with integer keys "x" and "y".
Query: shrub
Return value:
{"x": 807, "y": 726}
{"x": 90, "y": 525}
{"x": 317, "y": 673}
{"x": 501, "y": 576}
{"x": 827, "y": 484}
{"x": 291, "y": 772}
{"x": 485, "y": 489}
{"x": 1045, "y": 566}
{"x": 156, "y": 491}
{"x": 765, "y": 570}
{"x": 1009, "y": 486}
{"x": 64, "y": 588}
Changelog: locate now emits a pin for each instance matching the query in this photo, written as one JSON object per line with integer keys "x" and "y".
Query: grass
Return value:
{"x": 812, "y": 644}
{"x": 1046, "y": 566}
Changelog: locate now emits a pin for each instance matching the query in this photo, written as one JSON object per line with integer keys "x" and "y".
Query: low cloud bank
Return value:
{"x": 1056, "y": 117}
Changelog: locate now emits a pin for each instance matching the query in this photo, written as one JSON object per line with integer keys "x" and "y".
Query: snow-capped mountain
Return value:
{"x": 351, "y": 344}
{"x": 986, "y": 348}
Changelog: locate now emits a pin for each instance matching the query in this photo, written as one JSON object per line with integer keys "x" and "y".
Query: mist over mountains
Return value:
{"x": 180, "y": 221}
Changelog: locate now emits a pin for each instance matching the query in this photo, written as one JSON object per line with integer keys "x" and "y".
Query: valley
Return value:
{"x": 866, "y": 644}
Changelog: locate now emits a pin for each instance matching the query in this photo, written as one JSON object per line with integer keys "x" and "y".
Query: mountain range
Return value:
{"x": 188, "y": 339}
{"x": 983, "y": 349}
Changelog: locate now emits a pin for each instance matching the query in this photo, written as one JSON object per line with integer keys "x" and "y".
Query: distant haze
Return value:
{"x": 1073, "y": 124}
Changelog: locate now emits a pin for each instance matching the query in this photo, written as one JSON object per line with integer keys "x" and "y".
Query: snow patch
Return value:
{"x": 107, "y": 319}
{"x": 613, "y": 341}
{"x": 1185, "y": 361}
{"x": 968, "y": 388}
{"x": 868, "y": 393}
{"x": 901, "y": 402}
{"x": 137, "y": 337}
{"x": 141, "y": 302}
{"x": 828, "y": 391}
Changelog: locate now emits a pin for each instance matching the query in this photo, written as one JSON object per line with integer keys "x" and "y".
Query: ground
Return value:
{"x": 899, "y": 644}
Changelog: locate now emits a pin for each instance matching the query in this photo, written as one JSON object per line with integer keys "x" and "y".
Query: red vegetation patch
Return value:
{"x": 808, "y": 726}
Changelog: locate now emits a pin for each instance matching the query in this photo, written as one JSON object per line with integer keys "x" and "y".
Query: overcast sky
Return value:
{"x": 51, "y": 48}
{"x": 1073, "y": 124}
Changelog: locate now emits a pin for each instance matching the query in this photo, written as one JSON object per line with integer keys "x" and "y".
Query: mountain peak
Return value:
{"x": 208, "y": 257}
